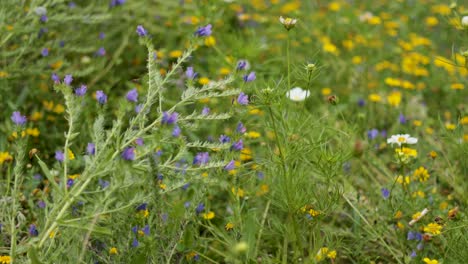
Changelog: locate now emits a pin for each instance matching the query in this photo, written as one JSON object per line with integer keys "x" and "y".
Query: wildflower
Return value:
{"x": 141, "y": 31}
{"x": 432, "y": 154}
{"x": 249, "y": 77}
{"x": 385, "y": 193}
{"x": 132, "y": 95}
{"x": 138, "y": 108}
{"x": 205, "y": 111}
{"x": 242, "y": 65}
{"x": 5, "y": 259}
{"x": 288, "y": 23}
{"x": 402, "y": 139}
{"x": 90, "y": 148}
{"x": 128, "y": 153}
{"x": 190, "y": 73}
{"x": 45, "y": 52}
{"x": 373, "y": 133}
{"x": 402, "y": 119}
{"x": 297, "y": 94}
{"x": 430, "y": 261}
{"x": 243, "y": 99}
{"x": 139, "y": 141}
{"x": 101, "y": 97}
{"x": 44, "y": 18}
{"x": 55, "y": 78}
{"x": 433, "y": 228}
{"x": 224, "y": 139}
{"x": 71, "y": 156}
{"x": 18, "y": 119}
{"x": 101, "y": 52}
{"x": 375, "y": 98}
{"x": 33, "y": 231}
{"x": 241, "y": 128}
{"x": 208, "y": 216}
{"x": 200, "y": 208}
{"x": 113, "y": 251}
{"x": 201, "y": 158}
{"x": 210, "y": 41}
{"x": 417, "y": 216}
{"x": 68, "y": 79}
{"x": 230, "y": 166}
{"x": 59, "y": 155}
{"x": 81, "y": 90}
{"x": 204, "y": 31}
{"x": 406, "y": 152}
{"x": 229, "y": 226}
{"x": 176, "y": 131}
{"x": 421, "y": 174}
{"x": 169, "y": 118}
{"x": 464, "y": 21}
{"x": 239, "y": 145}
{"x": 135, "y": 243}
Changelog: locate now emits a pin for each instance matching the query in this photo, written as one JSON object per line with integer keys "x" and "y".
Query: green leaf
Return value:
{"x": 33, "y": 257}
{"x": 49, "y": 176}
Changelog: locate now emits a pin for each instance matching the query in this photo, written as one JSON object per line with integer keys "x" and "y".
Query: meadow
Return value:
{"x": 224, "y": 131}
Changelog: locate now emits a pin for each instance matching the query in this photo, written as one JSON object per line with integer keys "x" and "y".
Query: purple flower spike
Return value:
{"x": 91, "y": 149}
{"x": 18, "y": 119}
{"x": 230, "y": 166}
{"x": 241, "y": 128}
{"x": 146, "y": 230}
{"x": 402, "y": 119}
{"x": 200, "y": 208}
{"x": 239, "y": 145}
{"x": 224, "y": 139}
{"x": 68, "y": 79}
{"x": 139, "y": 141}
{"x": 176, "y": 131}
{"x": 241, "y": 65}
{"x": 132, "y": 95}
{"x": 135, "y": 243}
{"x": 190, "y": 73}
{"x": 250, "y": 77}
{"x": 204, "y": 31}
{"x": 33, "y": 230}
{"x": 201, "y": 158}
{"x": 101, "y": 97}
{"x": 243, "y": 99}
{"x": 55, "y": 78}
{"x": 373, "y": 133}
{"x": 141, "y": 31}
{"x": 169, "y": 118}
{"x": 81, "y": 90}
{"x": 101, "y": 52}
{"x": 128, "y": 153}
{"x": 59, "y": 155}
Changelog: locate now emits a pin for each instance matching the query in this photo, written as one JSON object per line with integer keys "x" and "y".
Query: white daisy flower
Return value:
{"x": 464, "y": 21}
{"x": 297, "y": 94}
{"x": 402, "y": 139}
{"x": 288, "y": 22}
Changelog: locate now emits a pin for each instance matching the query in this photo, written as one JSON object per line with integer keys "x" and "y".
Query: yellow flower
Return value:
{"x": 416, "y": 216}
{"x": 398, "y": 214}
{"x": 162, "y": 186}
{"x": 5, "y": 157}
{"x": 464, "y": 120}
{"x": 375, "y": 98}
{"x": 421, "y": 174}
{"x": 433, "y": 154}
{"x": 334, "y": 6}
{"x": 175, "y": 54}
{"x": 229, "y": 226}
{"x": 203, "y": 81}
{"x": 326, "y": 91}
{"x": 419, "y": 193}
{"x": 433, "y": 228}
{"x": 407, "y": 152}
{"x": 290, "y": 7}
{"x": 52, "y": 234}
{"x": 400, "y": 225}
{"x": 394, "y": 98}
{"x": 113, "y": 251}
{"x": 238, "y": 191}
{"x": 3, "y": 74}
{"x": 332, "y": 254}
{"x": 357, "y": 60}
{"x": 208, "y": 216}
{"x": 5, "y": 259}
{"x": 331, "y": 48}
{"x": 246, "y": 154}
{"x": 253, "y": 134}
{"x": 210, "y": 41}
{"x": 36, "y": 116}
{"x": 59, "y": 109}
{"x": 430, "y": 261}
{"x": 457, "y": 86}
{"x": 71, "y": 156}
{"x": 450, "y": 126}
{"x": 432, "y": 21}
{"x": 224, "y": 71}
{"x": 403, "y": 180}
{"x": 264, "y": 188}
{"x": 417, "y": 123}
{"x": 33, "y": 132}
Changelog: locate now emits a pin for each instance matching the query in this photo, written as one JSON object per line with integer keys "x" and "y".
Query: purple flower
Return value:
{"x": 132, "y": 95}
{"x": 187, "y": 204}
{"x": 239, "y": 145}
{"x": 142, "y": 207}
{"x": 373, "y": 133}
{"x": 59, "y": 155}
{"x": 102, "y": 35}
{"x": 44, "y": 18}
{"x": 361, "y": 102}
{"x": 68, "y": 79}
{"x": 176, "y": 131}
{"x": 41, "y": 204}
{"x": 135, "y": 229}
{"x": 410, "y": 235}
{"x": 138, "y": 108}
{"x": 204, "y": 31}
{"x": 33, "y": 230}
{"x": 135, "y": 243}
{"x": 45, "y": 52}
{"x": 418, "y": 236}
{"x": 243, "y": 99}
{"x": 383, "y": 133}
{"x": 70, "y": 183}
{"x": 206, "y": 110}
{"x": 201, "y": 158}
{"x": 101, "y": 52}
{"x": 224, "y": 139}
{"x": 128, "y": 153}
{"x": 90, "y": 148}
{"x": 141, "y": 31}
{"x": 250, "y": 77}
{"x": 55, "y": 78}
{"x": 402, "y": 119}
{"x": 413, "y": 254}
{"x": 71, "y": 5}
{"x": 116, "y": 2}
{"x": 241, "y": 128}
{"x": 230, "y": 166}
{"x": 103, "y": 184}
{"x": 200, "y": 208}
{"x": 139, "y": 141}
{"x": 18, "y": 119}
{"x": 190, "y": 73}
{"x": 101, "y": 97}
{"x": 420, "y": 246}
{"x": 385, "y": 193}
{"x": 241, "y": 65}
{"x": 169, "y": 118}
{"x": 146, "y": 230}
{"x": 81, "y": 90}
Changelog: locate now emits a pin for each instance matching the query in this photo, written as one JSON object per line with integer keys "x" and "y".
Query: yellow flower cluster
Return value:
{"x": 433, "y": 228}
{"x": 421, "y": 174}
{"x": 5, "y": 157}
{"x": 5, "y": 259}
{"x": 325, "y": 253}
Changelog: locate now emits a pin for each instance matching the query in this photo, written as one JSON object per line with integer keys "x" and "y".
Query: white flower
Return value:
{"x": 288, "y": 22}
{"x": 40, "y": 11}
{"x": 402, "y": 139}
{"x": 464, "y": 21}
{"x": 297, "y": 94}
